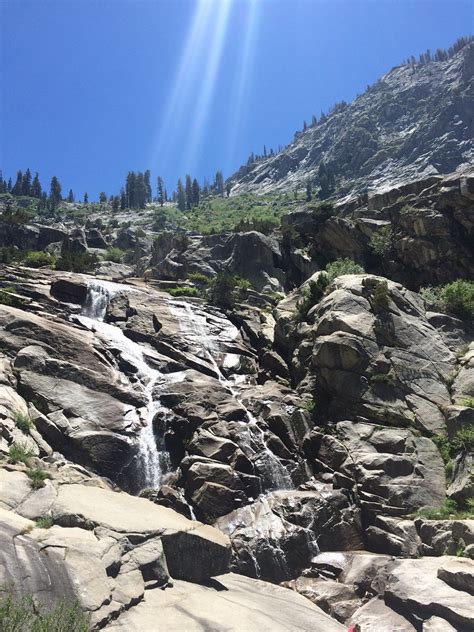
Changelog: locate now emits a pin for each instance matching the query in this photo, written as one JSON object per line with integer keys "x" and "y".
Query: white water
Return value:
{"x": 154, "y": 460}
{"x": 194, "y": 327}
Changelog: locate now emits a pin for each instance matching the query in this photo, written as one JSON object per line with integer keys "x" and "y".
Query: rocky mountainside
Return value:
{"x": 416, "y": 121}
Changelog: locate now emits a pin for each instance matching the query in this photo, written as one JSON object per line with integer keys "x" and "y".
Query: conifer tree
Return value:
{"x": 309, "y": 190}
{"x": 26, "y": 183}
{"x": 115, "y": 203}
{"x": 189, "y": 192}
{"x": 181, "y": 196}
{"x": 196, "y": 192}
{"x": 70, "y": 196}
{"x": 147, "y": 183}
{"x": 9, "y": 186}
{"x": 228, "y": 187}
{"x": 86, "y": 198}
{"x": 219, "y": 183}
{"x": 36, "y": 189}
{"x": 55, "y": 192}
{"x": 102, "y": 197}
{"x": 160, "y": 191}
{"x": 18, "y": 184}
{"x": 123, "y": 200}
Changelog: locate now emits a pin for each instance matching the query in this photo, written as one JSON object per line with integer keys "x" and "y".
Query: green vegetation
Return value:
{"x": 448, "y": 510}
{"x": 312, "y": 293}
{"x": 114, "y": 254}
{"x": 456, "y": 297}
{"x": 23, "y": 422}
{"x": 342, "y": 266}
{"x": 44, "y": 523}
{"x": 76, "y": 261}
{"x": 225, "y": 289}
{"x": 37, "y": 477}
{"x": 37, "y": 259}
{"x": 191, "y": 292}
{"x": 381, "y": 241}
{"x": 18, "y": 453}
{"x": 382, "y": 378}
{"x": 22, "y": 614}
{"x": 463, "y": 440}
{"x": 199, "y": 279}
{"x": 379, "y": 294}
{"x": 8, "y": 297}
{"x": 467, "y": 401}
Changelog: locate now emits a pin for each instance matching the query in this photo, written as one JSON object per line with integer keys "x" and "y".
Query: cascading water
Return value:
{"x": 154, "y": 460}
{"x": 194, "y": 327}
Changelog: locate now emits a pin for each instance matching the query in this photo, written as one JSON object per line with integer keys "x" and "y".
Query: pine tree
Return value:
{"x": 147, "y": 182}
{"x": 55, "y": 193}
{"x": 228, "y": 187}
{"x": 102, "y": 197}
{"x": 166, "y": 195}
{"x": 196, "y": 192}
{"x": 86, "y": 198}
{"x": 9, "y": 186}
{"x": 26, "y": 183}
{"x": 18, "y": 184}
{"x": 219, "y": 183}
{"x": 160, "y": 190}
{"x": 70, "y": 196}
{"x": 115, "y": 203}
{"x": 3, "y": 184}
{"x": 123, "y": 200}
{"x": 181, "y": 196}
{"x": 189, "y": 192}
{"x": 36, "y": 189}
{"x": 309, "y": 190}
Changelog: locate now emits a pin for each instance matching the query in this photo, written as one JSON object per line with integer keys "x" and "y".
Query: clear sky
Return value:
{"x": 93, "y": 88}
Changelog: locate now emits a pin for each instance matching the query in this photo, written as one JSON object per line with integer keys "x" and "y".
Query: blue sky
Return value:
{"x": 93, "y": 88}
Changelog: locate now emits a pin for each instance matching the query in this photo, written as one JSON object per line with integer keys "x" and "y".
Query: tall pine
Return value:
{"x": 181, "y": 196}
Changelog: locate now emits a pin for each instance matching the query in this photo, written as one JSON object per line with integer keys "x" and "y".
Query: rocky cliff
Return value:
{"x": 416, "y": 121}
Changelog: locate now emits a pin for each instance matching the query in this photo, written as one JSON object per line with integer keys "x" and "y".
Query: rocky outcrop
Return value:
{"x": 414, "y": 121}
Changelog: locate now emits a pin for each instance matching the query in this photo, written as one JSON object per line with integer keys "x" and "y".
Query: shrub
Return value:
{"x": 447, "y": 510}
{"x": 312, "y": 294}
{"x": 37, "y": 477}
{"x": 342, "y": 266}
{"x": 467, "y": 401}
{"x": 44, "y": 523}
{"x": 431, "y": 296}
{"x": 22, "y": 614}
{"x": 381, "y": 241}
{"x": 379, "y": 293}
{"x": 19, "y": 454}
{"x": 23, "y": 422}
{"x": 221, "y": 290}
{"x": 9, "y": 254}
{"x": 8, "y": 297}
{"x": 37, "y": 259}
{"x": 463, "y": 440}
{"x": 458, "y": 297}
{"x": 192, "y": 292}
{"x": 114, "y": 254}
{"x": 199, "y": 279}
{"x": 76, "y": 261}
{"x": 382, "y": 378}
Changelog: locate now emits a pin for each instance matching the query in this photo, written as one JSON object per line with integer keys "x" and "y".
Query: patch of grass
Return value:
{"x": 463, "y": 440}
{"x": 467, "y": 401}
{"x": 37, "y": 477}
{"x": 22, "y": 614}
{"x": 44, "y": 523}
{"x": 23, "y": 422}
{"x": 382, "y": 378}
{"x": 18, "y": 453}
{"x": 8, "y": 297}
{"x": 199, "y": 279}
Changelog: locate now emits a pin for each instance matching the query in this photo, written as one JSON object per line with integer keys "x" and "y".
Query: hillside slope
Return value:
{"x": 417, "y": 120}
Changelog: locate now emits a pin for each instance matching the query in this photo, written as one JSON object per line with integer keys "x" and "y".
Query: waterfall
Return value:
{"x": 274, "y": 474}
{"x": 154, "y": 461}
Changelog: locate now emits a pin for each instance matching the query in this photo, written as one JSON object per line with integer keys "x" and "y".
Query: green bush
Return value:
{"x": 191, "y": 292}
{"x": 381, "y": 241}
{"x": 22, "y": 614}
{"x": 23, "y": 422}
{"x": 19, "y": 454}
{"x": 8, "y": 254}
{"x": 114, "y": 254}
{"x": 312, "y": 294}
{"x": 379, "y": 293}
{"x": 199, "y": 279}
{"x": 37, "y": 477}
{"x": 343, "y": 266}
{"x": 76, "y": 262}
{"x": 431, "y": 296}
{"x": 463, "y": 440}
{"x": 467, "y": 401}
{"x": 221, "y": 290}
{"x": 458, "y": 297}
{"x": 449, "y": 509}
{"x": 8, "y": 297}
{"x": 44, "y": 523}
{"x": 37, "y": 259}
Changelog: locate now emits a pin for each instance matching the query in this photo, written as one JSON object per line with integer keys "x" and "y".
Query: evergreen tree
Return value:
{"x": 181, "y": 196}
{"x": 205, "y": 188}
{"x": 3, "y": 184}
{"x": 123, "y": 200}
{"x": 55, "y": 193}
{"x": 160, "y": 190}
{"x": 309, "y": 190}
{"x": 228, "y": 187}
{"x": 115, "y": 203}
{"x": 36, "y": 189}
{"x": 219, "y": 184}
{"x": 189, "y": 192}
{"x": 147, "y": 182}
{"x": 166, "y": 195}
{"x": 18, "y": 184}
{"x": 26, "y": 183}
{"x": 141, "y": 191}
{"x": 196, "y": 192}
{"x": 70, "y": 196}
{"x": 86, "y": 198}
{"x": 9, "y": 186}
{"x": 102, "y": 197}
